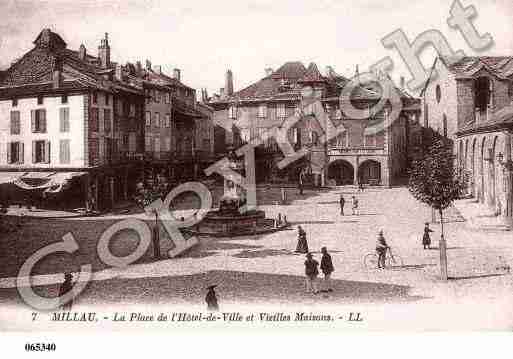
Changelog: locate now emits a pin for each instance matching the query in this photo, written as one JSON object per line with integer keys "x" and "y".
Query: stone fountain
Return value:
{"x": 229, "y": 220}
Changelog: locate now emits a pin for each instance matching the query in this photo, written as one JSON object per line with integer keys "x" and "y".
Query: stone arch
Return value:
{"x": 341, "y": 171}
{"x": 369, "y": 171}
{"x": 481, "y": 193}
{"x": 473, "y": 167}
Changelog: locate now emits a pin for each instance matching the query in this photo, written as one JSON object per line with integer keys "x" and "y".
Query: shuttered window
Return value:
{"x": 64, "y": 119}
{"x": 107, "y": 121}
{"x": 15, "y": 123}
{"x": 64, "y": 152}
{"x": 38, "y": 121}
{"x": 148, "y": 118}
{"x": 40, "y": 151}
{"x": 94, "y": 151}
{"x": 94, "y": 120}
{"x": 15, "y": 152}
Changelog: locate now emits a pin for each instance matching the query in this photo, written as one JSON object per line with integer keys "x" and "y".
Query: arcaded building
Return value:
{"x": 470, "y": 103}
{"x": 352, "y": 157}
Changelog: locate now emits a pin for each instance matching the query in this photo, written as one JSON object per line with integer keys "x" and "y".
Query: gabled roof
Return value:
{"x": 500, "y": 66}
{"x": 312, "y": 74}
{"x": 32, "y": 74}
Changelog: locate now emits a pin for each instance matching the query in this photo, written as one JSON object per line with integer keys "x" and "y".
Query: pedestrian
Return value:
{"x": 211, "y": 298}
{"x": 311, "y": 272}
{"x": 342, "y": 203}
{"x": 381, "y": 249}
{"x": 302, "y": 244}
{"x": 326, "y": 268}
{"x": 426, "y": 239}
{"x": 65, "y": 288}
{"x": 360, "y": 187}
{"x": 355, "y": 205}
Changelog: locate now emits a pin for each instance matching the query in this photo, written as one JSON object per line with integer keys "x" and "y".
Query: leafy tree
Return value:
{"x": 434, "y": 179}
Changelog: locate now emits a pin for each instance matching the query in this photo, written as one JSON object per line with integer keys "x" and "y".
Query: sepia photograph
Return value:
{"x": 255, "y": 165}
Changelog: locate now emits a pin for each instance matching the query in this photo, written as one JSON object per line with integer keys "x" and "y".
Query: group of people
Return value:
{"x": 354, "y": 205}
{"x": 312, "y": 266}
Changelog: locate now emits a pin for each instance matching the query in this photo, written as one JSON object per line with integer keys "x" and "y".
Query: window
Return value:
{"x": 107, "y": 99}
{"x": 438, "y": 94}
{"x": 107, "y": 120}
{"x": 167, "y": 121}
{"x": 40, "y": 152}
{"x": 119, "y": 107}
{"x": 64, "y": 99}
{"x": 369, "y": 140}
{"x": 147, "y": 143}
{"x": 94, "y": 120}
{"x": 313, "y": 137}
{"x": 132, "y": 110}
{"x": 125, "y": 141}
{"x": 94, "y": 151}
{"x": 15, "y": 123}
{"x": 262, "y": 110}
{"x": 15, "y": 153}
{"x": 95, "y": 97}
{"x": 64, "y": 119}
{"x": 39, "y": 100}
{"x": 168, "y": 144}
{"x": 157, "y": 144}
{"x": 38, "y": 121}
{"x": 168, "y": 97}
{"x": 64, "y": 152}
{"x": 148, "y": 118}
{"x": 14, "y": 102}
{"x": 132, "y": 142}
{"x": 444, "y": 125}
{"x": 157, "y": 96}
{"x": 206, "y": 144}
{"x": 232, "y": 112}
{"x": 280, "y": 110}
{"x": 157, "y": 119}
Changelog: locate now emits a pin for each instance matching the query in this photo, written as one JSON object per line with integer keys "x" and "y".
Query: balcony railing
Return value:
{"x": 333, "y": 151}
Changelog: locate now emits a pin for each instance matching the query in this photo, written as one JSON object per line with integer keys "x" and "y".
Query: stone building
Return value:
{"x": 177, "y": 129}
{"x": 352, "y": 157}
{"x": 70, "y": 127}
{"x": 470, "y": 102}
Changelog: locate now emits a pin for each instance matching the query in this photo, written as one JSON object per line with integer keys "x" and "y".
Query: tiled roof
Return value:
{"x": 312, "y": 74}
{"x": 32, "y": 74}
{"x": 501, "y": 118}
{"x": 501, "y": 66}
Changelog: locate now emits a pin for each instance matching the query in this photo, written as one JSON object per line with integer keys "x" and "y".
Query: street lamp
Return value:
{"x": 507, "y": 170}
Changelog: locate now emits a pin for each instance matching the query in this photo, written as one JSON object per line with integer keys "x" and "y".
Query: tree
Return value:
{"x": 435, "y": 182}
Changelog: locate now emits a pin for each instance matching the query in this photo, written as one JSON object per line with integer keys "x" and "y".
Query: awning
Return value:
{"x": 9, "y": 177}
{"x": 49, "y": 181}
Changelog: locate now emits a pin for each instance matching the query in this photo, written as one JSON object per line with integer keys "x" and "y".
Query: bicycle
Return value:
{"x": 370, "y": 261}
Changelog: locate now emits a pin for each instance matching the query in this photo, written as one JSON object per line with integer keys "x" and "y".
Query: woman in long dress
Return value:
{"x": 426, "y": 239}
{"x": 302, "y": 244}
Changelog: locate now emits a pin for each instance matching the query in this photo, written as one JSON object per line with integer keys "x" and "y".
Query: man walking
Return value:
{"x": 311, "y": 273}
{"x": 355, "y": 206}
{"x": 327, "y": 269}
{"x": 65, "y": 288}
{"x": 211, "y": 299}
{"x": 342, "y": 203}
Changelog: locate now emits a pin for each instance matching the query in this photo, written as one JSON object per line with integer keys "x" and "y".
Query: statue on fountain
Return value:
{"x": 233, "y": 197}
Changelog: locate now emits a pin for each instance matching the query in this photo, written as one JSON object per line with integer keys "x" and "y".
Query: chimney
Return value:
{"x": 221, "y": 92}
{"x": 268, "y": 71}
{"x": 148, "y": 65}
{"x": 329, "y": 71}
{"x": 402, "y": 82}
{"x": 82, "y": 53}
{"x": 119, "y": 72}
{"x": 228, "y": 83}
{"x": 157, "y": 69}
{"x": 57, "y": 74}
{"x": 104, "y": 52}
{"x": 138, "y": 68}
{"x": 357, "y": 74}
{"x": 176, "y": 74}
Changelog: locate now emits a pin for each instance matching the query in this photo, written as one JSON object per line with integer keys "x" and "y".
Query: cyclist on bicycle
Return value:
{"x": 381, "y": 249}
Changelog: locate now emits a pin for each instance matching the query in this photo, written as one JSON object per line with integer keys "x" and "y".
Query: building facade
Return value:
{"x": 70, "y": 126}
{"x": 354, "y": 156}
{"x": 470, "y": 103}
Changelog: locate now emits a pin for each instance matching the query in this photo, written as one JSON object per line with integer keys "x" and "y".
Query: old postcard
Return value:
{"x": 238, "y": 165}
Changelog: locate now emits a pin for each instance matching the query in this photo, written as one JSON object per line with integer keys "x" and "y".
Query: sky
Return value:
{"x": 205, "y": 38}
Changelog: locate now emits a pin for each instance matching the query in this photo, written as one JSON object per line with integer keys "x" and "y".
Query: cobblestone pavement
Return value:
{"x": 264, "y": 269}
